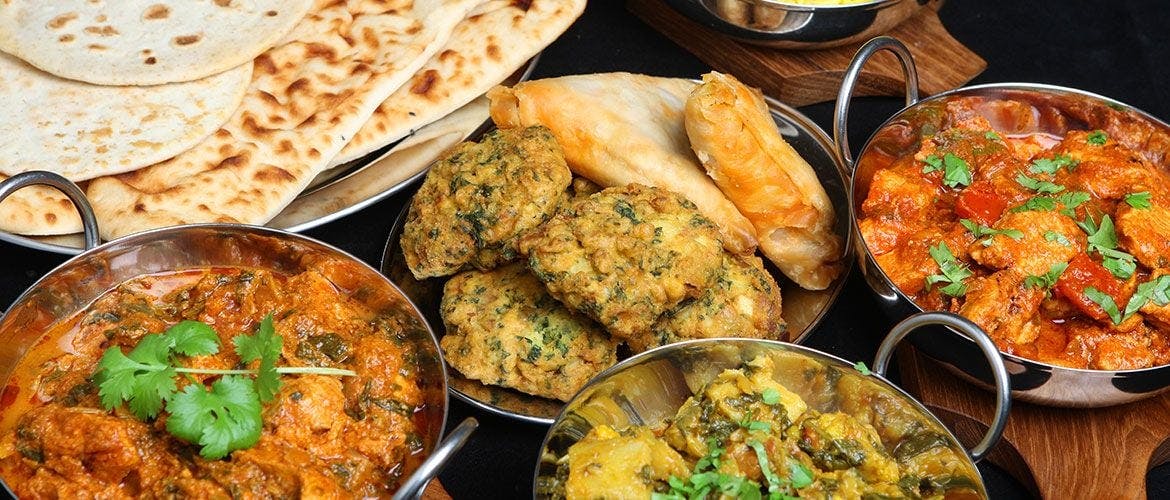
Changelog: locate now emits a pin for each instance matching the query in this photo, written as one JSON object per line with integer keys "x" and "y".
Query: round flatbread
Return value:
{"x": 82, "y": 131}
{"x": 144, "y": 42}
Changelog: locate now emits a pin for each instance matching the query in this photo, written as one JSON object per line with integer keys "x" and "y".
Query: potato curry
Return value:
{"x": 321, "y": 435}
{"x": 1052, "y": 235}
{"x": 746, "y": 435}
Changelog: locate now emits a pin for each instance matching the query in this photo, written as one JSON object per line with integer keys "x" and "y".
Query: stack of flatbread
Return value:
{"x": 172, "y": 112}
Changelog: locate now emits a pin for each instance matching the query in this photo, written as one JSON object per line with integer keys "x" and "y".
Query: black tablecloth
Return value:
{"x": 1119, "y": 49}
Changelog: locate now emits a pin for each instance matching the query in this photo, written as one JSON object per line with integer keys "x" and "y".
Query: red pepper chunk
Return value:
{"x": 1084, "y": 272}
{"x": 980, "y": 204}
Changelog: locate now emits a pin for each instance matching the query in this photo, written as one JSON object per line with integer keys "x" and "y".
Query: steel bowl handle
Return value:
{"x": 964, "y": 326}
{"x": 88, "y": 220}
{"x": 853, "y": 73}
{"x": 417, "y": 482}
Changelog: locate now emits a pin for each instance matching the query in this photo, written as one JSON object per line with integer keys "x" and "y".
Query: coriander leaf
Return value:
{"x": 933, "y": 163}
{"x": 1103, "y": 240}
{"x": 151, "y": 389}
{"x": 1106, "y": 302}
{"x": 756, "y": 425}
{"x": 193, "y": 338}
{"x": 135, "y": 377}
{"x": 980, "y": 231}
{"x": 774, "y": 484}
{"x": 957, "y": 172}
{"x": 1154, "y": 290}
{"x": 860, "y": 367}
{"x": 1097, "y": 138}
{"x": 1071, "y": 200}
{"x": 991, "y": 136}
{"x": 770, "y": 396}
{"x": 1140, "y": 200}
{"x": 1057, "y": 237}
{"x": 1036, "y": 203}
{"x": 1121, "y": 268}
{"x": 222, "y": 420}
{"x": 1038, "y": 186}
{"x": 953, "y": 271}
{"x": 265, "y": 346}
{"x": 1048, "y": 279}
{"x": 116, "y": 377}
{"x": 798, "y": 473}
{"x": 1051, "y": 165}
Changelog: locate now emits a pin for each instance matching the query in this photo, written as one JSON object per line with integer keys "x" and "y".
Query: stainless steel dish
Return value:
{"x": 803, "y": 309}
{"x": 1031, "y": 381}
{"x": 75, "y": 284}
{"x": 780, "y": 24}
{"x": 346, "y": 188}
{"x": 650, "y": 387}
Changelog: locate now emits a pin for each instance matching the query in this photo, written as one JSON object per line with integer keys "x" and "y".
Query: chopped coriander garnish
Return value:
{"x": 1036, "y": 203}
{"x": 953, "y": 271}
{"x": 223, "y": 419}
{"x": 798, "y": 473}
{"x": 1042, "y": 187}
{"x": 1140, "y": 200}
{"x": 861, "y": 368}
{"x": 1071, "y": 200}
{"x": 706, "y": 479}
{"x": 770, "y": 396}
{"x": 956, "y": 171}
{"x": 1051, "y": 165}
{"x": 1097, "y": 138}
{"x": 1048, "y": 279}
{"x": 1156, "y": 290}
{"x": 1057, "y": 237}
{"x": 992, "y": 136}
{"x": 1103, "y": 240}
{"x": 980, "y": 231}
{"x": 1106, "y": 302}
{"x": 775, "y": 484}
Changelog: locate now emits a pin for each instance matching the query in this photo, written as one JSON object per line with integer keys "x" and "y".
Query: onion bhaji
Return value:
{"x": 744, "y": 302}
{"x": 477, "y": 201}
{"x": 504, "y": 329}
{"x": 625, "y": 255}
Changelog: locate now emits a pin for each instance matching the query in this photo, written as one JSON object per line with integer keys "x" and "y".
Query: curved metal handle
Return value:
{"x": 964, "y": 326}
{"x": 88, "y": 220}
{"x": 417, "y": 482}
{"x": 853, "y": 73}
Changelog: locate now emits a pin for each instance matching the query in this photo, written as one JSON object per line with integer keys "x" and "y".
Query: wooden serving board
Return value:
{"x": 1057, "y": 453}
{"x": 800, "y": 77}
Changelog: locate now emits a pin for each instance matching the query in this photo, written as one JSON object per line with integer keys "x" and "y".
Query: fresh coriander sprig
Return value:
{"x": 1048, "y": 279}
{"x": 1156, "y": 290}
{"x": 979, "y": 231}
{"x": 1139, "y": 200}
{"x": 1103, "y": 240}
{"x": 1106, "y": 302}
{"x": 1039, "y": 186}
{"x": 1097, "y": 138}
{"x": 956, "y": 171}
{"x": 1055, "y": 236}
{"x": 221, "y": 419}
{"x": 953, "y": 271}
{"x": 1051, "y": 165}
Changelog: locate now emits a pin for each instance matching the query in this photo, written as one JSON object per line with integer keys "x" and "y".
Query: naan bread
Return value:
{"x": 38, "y": 211}
{"x": 83, "y": 131}
{"x": 143, "y": 42}
{"x": 733, "y": 134}
{"x": 307, "y": 97}
{"x": 621, "y": 128}
{"x": 493, "y": 41}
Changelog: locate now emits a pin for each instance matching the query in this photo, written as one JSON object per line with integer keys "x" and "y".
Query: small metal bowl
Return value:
{"x": 649, "y": 388}
{"x": 1032, "y": 381}
{"x": 779, "y": 24}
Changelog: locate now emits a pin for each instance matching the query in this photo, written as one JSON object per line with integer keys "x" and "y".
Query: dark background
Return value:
{"x": 1120, "y": 49}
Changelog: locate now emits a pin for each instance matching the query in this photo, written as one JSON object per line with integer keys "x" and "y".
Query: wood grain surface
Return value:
{"x": 801, "y": 77}
{"x": 1055, "y": 452}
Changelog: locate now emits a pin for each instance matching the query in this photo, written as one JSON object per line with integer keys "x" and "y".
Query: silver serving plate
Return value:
{"x": 1031, "y": 381}
{"x": 803, "y": 309}
{"x": 648, "y": 389}
{"x": 775, "y": 23}
{"x": 344, "y": 189}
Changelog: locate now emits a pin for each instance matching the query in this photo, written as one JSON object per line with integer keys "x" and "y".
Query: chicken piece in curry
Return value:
{"x": 321, "y": 436}
{"x": 478, "y": 200}
{"x": 625, "y": 255}
{"x": 503, "y": 328}
{"x": 1054, "y": 239}
{"x": 744, "y": 302}
{"x": 746, "y": 435}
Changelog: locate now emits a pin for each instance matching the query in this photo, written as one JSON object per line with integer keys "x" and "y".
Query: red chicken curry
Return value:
{"x": 322, "y": 436}
{"x": 1052, "y": 235}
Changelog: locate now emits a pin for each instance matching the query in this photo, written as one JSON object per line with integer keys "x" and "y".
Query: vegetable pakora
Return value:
{"x": 477, "y": 201}
{"x": 626, "y": 255}
{"x": 504, "y": 328}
